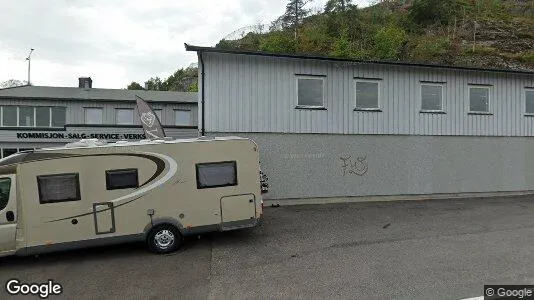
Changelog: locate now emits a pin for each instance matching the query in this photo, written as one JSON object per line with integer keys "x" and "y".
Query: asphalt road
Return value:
{"x": 391, "y": 250}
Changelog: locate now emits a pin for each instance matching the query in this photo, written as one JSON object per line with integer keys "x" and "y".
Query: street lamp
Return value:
{"x": 29, "y": 59}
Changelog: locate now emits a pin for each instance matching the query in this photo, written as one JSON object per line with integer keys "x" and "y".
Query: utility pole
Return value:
{"x": 29, "y": 59}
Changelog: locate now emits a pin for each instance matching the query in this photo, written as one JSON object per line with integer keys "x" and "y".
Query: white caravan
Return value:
{"x": 92, "y": 193}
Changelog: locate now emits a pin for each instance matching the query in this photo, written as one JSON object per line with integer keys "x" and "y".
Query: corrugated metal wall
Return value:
{"x": 247, "y": 93}
{"x": 75, "y": 109}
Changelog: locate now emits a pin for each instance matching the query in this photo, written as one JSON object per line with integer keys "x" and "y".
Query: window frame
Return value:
{"x": 436, "y": 111}
{"x": 85, "y": 115}
{"x": 18, "y": 116}
{"x": 124, "y": 109}
{"x": 378, "y": 81}
{"x": 2, "y": 150}
{"x": 479, "y": 86}
{"x": 525, "y": 91}
{"x": 64, "y": 107}
{"x": 174, "y": 116}
{"x": 161, "y": 113}
{"x": 110, "y": 173}
{"x": 235, "y": 181}
{"x": 78, "y": 192}
{"x": 315, "y": 77}
{"x": 49, "y": 116}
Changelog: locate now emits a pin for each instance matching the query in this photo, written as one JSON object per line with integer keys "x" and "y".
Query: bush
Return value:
{"x": 278, "y": 42}
{"x": 388, "y": 42}
{"x": 226, "y": 44}
{"x": 431, "y": 49}
{"x": 527, "y": 57}
{"x": 341, "y": 48}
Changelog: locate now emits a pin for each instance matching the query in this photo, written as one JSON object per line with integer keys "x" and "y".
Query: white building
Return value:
{"x": 330, "y": 128}
{"x": 42, "y": 116}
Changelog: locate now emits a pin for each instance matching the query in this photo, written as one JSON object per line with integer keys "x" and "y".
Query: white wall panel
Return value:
{"x": 247, "y": 93}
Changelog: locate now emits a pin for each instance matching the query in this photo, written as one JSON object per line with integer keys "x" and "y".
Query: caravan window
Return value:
{"x": 210, "y": 175}
{"x": 121, "y": 179}
{"x": 58, "y": 188}
{"x": 5, "y": 185}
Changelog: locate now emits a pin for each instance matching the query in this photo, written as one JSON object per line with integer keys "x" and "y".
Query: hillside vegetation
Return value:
{"x": 481, "y": 33}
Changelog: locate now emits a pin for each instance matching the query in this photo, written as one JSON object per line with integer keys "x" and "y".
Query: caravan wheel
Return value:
{"x": 164, "y": 239}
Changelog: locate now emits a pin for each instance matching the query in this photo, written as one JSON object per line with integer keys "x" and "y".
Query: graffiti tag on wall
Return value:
{"x": 356, "y": 166}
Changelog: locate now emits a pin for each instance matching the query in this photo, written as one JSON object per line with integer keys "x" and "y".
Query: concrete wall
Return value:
{"x": 310, "y": 165}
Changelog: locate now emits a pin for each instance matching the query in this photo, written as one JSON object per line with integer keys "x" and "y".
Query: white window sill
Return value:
{"x": 480, "y": 113}
{"x": 376, "y": 109}
{"x": 311, "y": 107}
{"x": 430, "y": 111}
{"x": 529, "y": 114}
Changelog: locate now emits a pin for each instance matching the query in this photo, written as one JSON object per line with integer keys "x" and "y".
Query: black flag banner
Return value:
{"x": 150, "y": 121}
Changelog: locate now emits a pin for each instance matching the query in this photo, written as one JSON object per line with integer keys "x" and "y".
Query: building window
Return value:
{"x": 431, "y": 97}
{"x": 529, "y": 101}
{"x": 59, "y": 116}
{"x": 26, "y": 116}
{"x": 5, "y": 187}
{"x": 9, "y": 116}
{"x": 124, "y": 116}
{"x": 479, "y": 99}
{"x": 219, "y": 174}
{"x": 158, "y": 113}
{"x": 310, "y": 92}
{"x": 121, "y": 179}
{"x": 93, "y": 115}
{"x": 8, "y": 151}
{"x": 29, "y": 116}
{"x": 182, "y": 117}
{"x": 42, "y": 116}
{"x": 58, "y": 188}
{"x": 367, "y": 95}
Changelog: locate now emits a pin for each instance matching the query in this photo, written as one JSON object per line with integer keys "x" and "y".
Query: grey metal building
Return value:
{"x": 42, "y": 116}
{"x": 330, "y": 128}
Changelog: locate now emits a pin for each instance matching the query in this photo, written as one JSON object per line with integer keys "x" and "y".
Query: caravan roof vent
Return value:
{"x": 86, "y": 143}
{"x": 122, "y": 142}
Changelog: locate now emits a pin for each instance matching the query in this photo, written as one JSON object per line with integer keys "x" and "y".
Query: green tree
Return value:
{"x": 181, "y": 80}
{"x": 134, "y": 86}
{"x": 12, "y": 83}
{"x": 427, "y": 12}
{"x": 388, "y": 42}
{"x": 336, "y": 6}
{"x": 193, "y": 87}
{"x": 155, "y": 84}
{"x": 295, "y": 13}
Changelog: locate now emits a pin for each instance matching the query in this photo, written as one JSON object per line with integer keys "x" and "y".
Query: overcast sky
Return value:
{"x": 116, "y": 42}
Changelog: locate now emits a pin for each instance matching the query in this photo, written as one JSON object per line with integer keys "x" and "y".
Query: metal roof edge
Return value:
{"x": 327, "y": 58}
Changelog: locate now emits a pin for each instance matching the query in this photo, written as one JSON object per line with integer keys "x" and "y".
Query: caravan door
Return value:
{"x": 8, "y": 215}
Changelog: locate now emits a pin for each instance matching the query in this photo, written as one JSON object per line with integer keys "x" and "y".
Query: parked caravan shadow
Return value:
{"x": 124, "y": 251}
